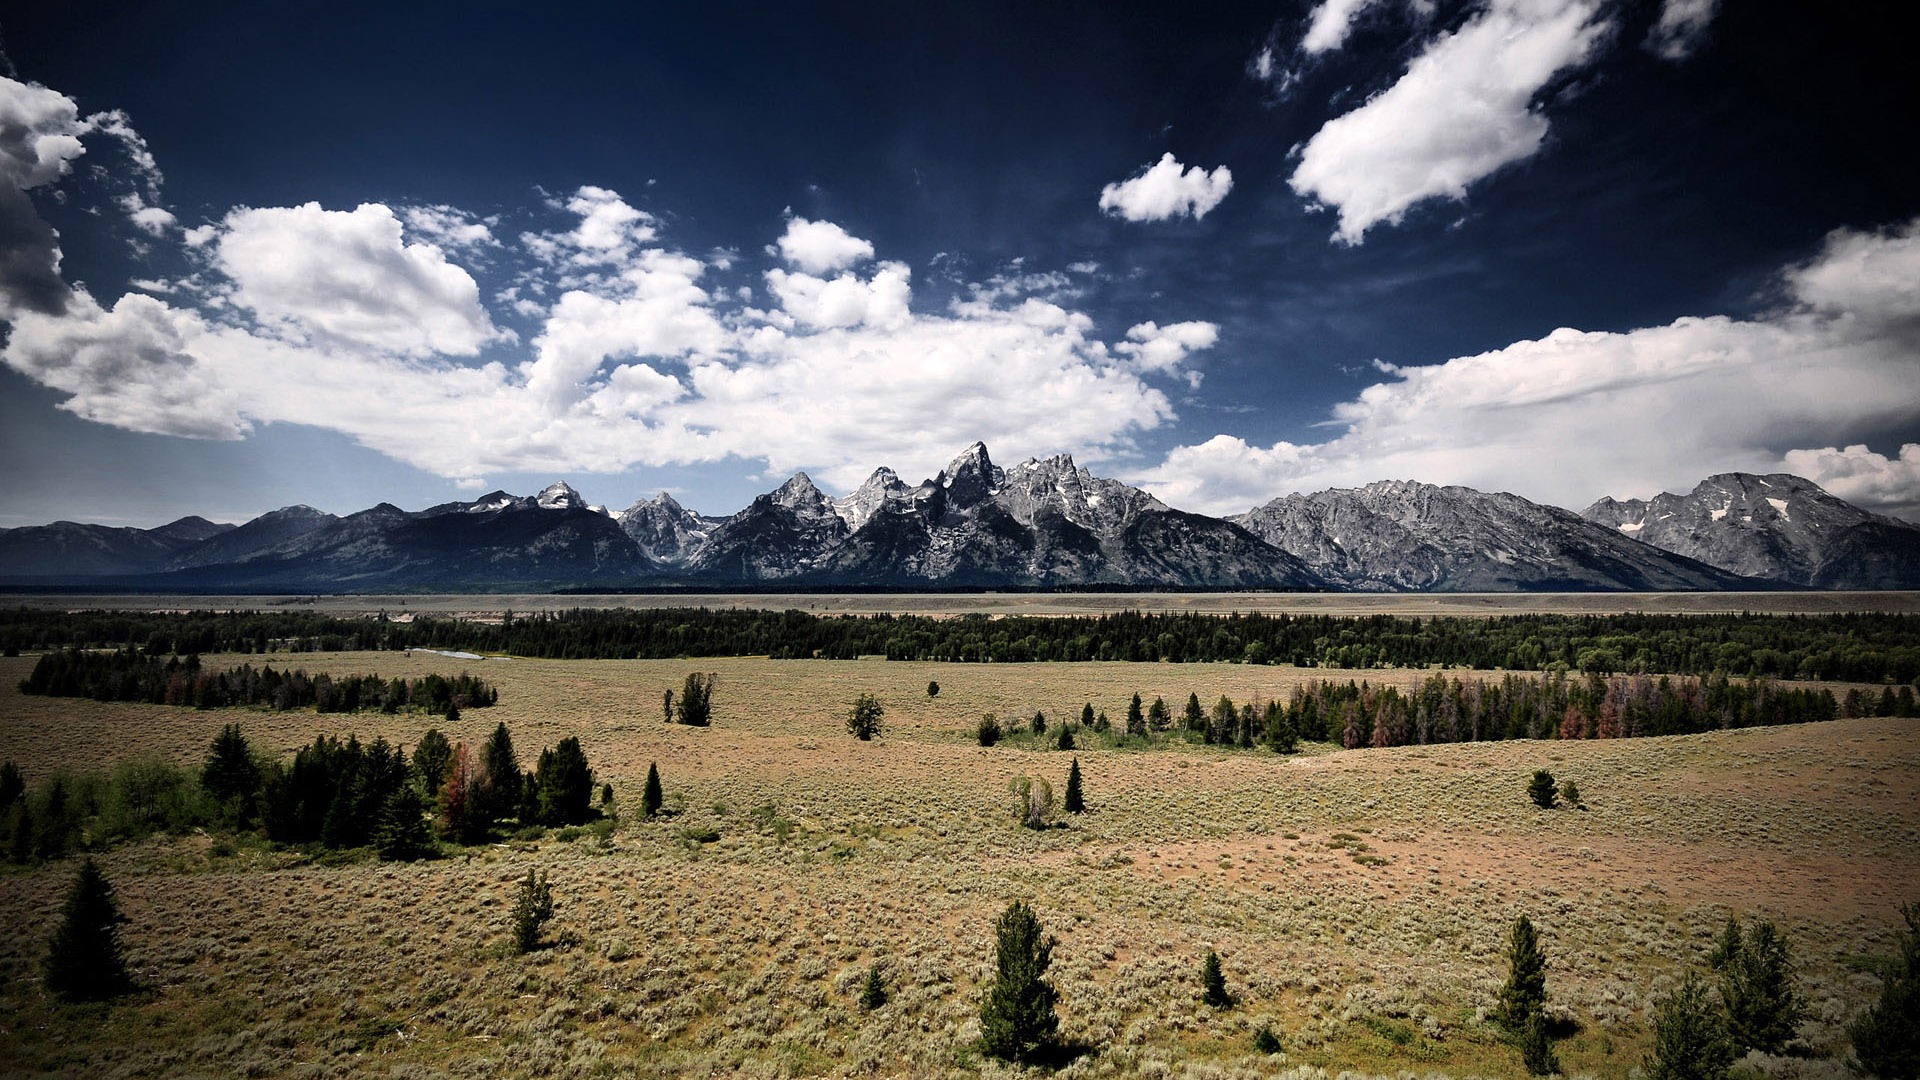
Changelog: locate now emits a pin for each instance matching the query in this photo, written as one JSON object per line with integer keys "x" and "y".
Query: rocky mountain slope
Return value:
{"x": 1403, "y": 536}
{"x": 1776, "y": 526}
{"x": 67, "y": 549}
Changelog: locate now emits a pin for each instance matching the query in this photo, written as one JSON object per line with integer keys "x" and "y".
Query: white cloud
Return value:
{"x": 831, "y": 303}
{"x": 821, "y": 247}
{"x": 347, "y": 278}
{"x": 448, "y": 228}
{"x": 1163, "y": 348}
{"x": 1330, "y": 23}
{"x": 1859, "y": 475}
{"x": 152, "y": 220}
{"x": 40, "y": 133}
{"x": 1576, "y": 415}
{"x": 1681, "y": 28}
{"x": 1164, "y": 190}
{"x": 609, "y": 233}
{"x": 1462, "y": 111}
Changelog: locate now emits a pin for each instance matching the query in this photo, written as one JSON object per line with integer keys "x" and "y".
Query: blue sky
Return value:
{"x": 265, "y": 254}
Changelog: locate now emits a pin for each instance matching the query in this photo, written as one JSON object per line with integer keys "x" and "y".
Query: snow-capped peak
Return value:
{"x": 558, "y": 496}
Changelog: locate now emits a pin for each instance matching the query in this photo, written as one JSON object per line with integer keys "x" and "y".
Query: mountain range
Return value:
{"x": 1041, "y": 523}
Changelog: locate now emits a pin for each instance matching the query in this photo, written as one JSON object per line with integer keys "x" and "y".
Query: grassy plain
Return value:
{"x": 1360, "y": 900}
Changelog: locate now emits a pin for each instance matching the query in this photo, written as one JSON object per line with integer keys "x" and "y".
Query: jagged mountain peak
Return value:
{"x": 969, "y": 478}
{"x": 560, "y": 496}
{"x": 884, "y": 486}
{"x": 798, "y": 493}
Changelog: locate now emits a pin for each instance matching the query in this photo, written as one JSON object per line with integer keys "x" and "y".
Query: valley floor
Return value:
{"x": 1360, "y": 900}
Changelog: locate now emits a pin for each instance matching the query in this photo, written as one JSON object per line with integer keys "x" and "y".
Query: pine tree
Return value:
{"x": 1727, "y": 948}
{"x": 1017, "y": 1018}
{"x": 873, "y": 992}
{"x": 1886, "y": 1039}
{"x": 695, "y": 708}
{"x": 651, "y": 798}
{"x": 1039, "y": 723}
{"x": 563, "y": 783}
{"x": 83, "y": 962}
{"x": 430, "y": 761}
{"x": 1086, "y": 715}
{"x": 1196, "y": 719}
{"x": 933, "y": 689}
{"x": 1065, "y": 739}
{"x": 1541, "y": 789}
{"x": 863, "y": 721}
{"x": 989, "y": 730}
{"x": 1757, "y": 985}
{"x": 1265, "y": 1041}
{"x": 1213, "y": 982}
{"x": 402, "y": 836}
{"x": 1689, "y": 1035}
{"x": 12, "y": 785}
{"x": 1157, "y": 719}
{"x": 1136, "y": 720}
{"x": 232, "y": 777}
{"x": 532, "y": 907}
{"x": 1536, "y": 1048}
{"x": 1525, "y": 993}
{"x": 1073, "y": 802}
{"x": 502, "y": 782}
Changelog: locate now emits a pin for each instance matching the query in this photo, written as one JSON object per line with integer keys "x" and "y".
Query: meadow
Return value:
{"x": 1360, "y": 900}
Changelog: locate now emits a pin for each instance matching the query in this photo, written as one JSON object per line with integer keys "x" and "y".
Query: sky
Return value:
{"x": 254, "y": 255}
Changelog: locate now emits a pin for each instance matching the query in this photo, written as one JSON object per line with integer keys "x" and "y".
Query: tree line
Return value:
{"x": 132, "y": 675}
{"x": 1856, "y": 647}
{"x": 332, "y": 793}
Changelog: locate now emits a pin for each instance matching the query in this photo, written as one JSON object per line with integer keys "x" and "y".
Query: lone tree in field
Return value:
{"x": 1526, "y": 991}
{"x": 933, "y": 689}
{"x": 1074, "y": 802}
{"x": 695, "y": 708}
{"x": 532, "y": 907}
{"x": 1136, "y": 719}
{"x": 1886, "y": 1041}
{"x": 1756, "y": 982}
{"x": 1213, "y": 982}
{"x": 651, "y": 797}
{"x": 1689, "y": 1035}
{"x": 1086, "y": 715}
{"x": 1039, "y": 722}
{"x": 1033, "y": 801}
{"x": 1541, "y": 789}
{"x": 873, "y": 992}
{"x": 1017, "y": 1020}
{"x": 864, "y": 719}
{"x": 989, "y": 730}
{"x": 83, "y": 962}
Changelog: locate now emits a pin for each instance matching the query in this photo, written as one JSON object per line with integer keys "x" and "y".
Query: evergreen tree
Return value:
{"x": 873, "y": 992}
{"x": 1196, "y": 719}
{"x": 989, "y": 730}
{"x": 1157, "y": 719}
{"x": 1032, "y": 801}
{"x": 1086, "y": 715}
{"x": 1689, "y": 1035}
{"x": 83, "y": 962}
{"x": 232, "y": 777}
{"x": 864, "y": 719}
{"x": 1039, "y": 723}
{"x": 1727, "y": 947}
{"x": 1536, "y": 1048}
{"x": 1265, "y": 1041}
{"x": 1525, "y": 993}
{"x": 1570, "y": 791}
{"x": 532, "y": 907}
{"x": 1064, "y": 741}
{"x": 1017, "y": 1018}
{"x": 1886, "y": 1037}
{"x": 1541, "y": 789}
{"x": 1213, "y": 982}
{"x": 695, "y": 708}
{"x": 430, "y": 760}
{"x": 402, "y": 836}
{"x": 501, "y": 776}
{"x": 933, "y": 689}
{"x": 1136, "y": 720}
{"x": 563, "y": 783}
{"x": 1073, "y": 802}
{"x": 651, "y": 798}
{"x": 20, "y": 839}
{"x": 1757, "y": 985}
{"x": 12, "y": 785}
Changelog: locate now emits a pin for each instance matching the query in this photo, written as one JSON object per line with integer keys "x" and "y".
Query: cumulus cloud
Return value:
{"x": 1330, "y": 23}
{"x": 1162, "y": 348}
{"x": 356, "y": 321}
{"x": 1463, "y": 110}
{"x": 821, "y": 247}
{"x": 1859, "y": 475}
{"x": 1166, "y": 190}
{"x": 1681, "y": 28}
{"x": 40, "y": 133}
{"x": 346, "y": 277}
{"x": 1576, "y": 415}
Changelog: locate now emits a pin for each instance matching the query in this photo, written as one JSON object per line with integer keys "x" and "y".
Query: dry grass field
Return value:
{"x": 1360, "y": 900}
